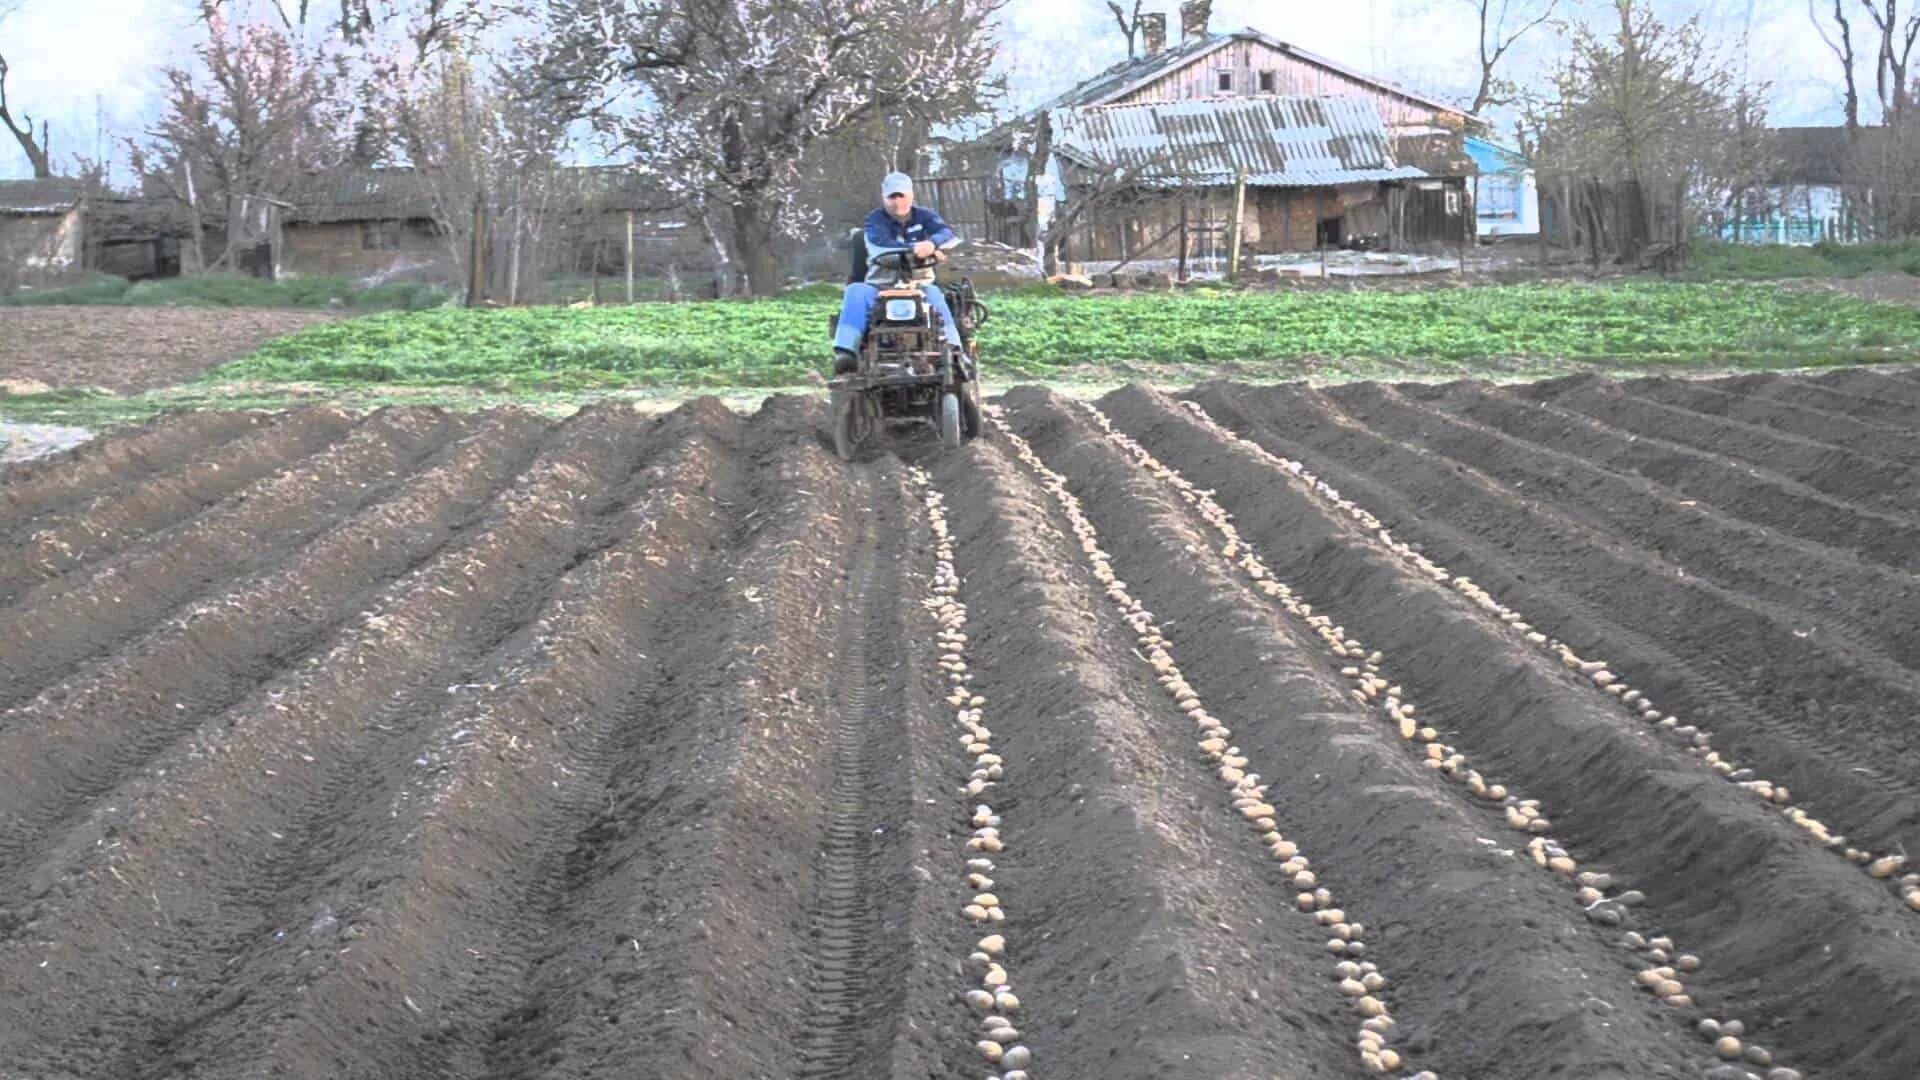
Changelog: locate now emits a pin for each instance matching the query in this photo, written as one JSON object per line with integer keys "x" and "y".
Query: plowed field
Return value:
{"x": 1554, "y": 731}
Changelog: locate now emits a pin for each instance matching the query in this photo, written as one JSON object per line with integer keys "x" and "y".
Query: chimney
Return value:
{"x": 1193, "y": 19}
{"x": 1153, "y": 28}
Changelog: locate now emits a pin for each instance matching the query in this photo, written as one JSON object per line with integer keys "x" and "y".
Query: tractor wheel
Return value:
{"x": 846, "y": 409}
{"x": 971, "y": 424}
{"x": 950, "y": 420}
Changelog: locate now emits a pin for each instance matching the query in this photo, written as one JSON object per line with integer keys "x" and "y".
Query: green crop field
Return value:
{"x": 778, "y": 342}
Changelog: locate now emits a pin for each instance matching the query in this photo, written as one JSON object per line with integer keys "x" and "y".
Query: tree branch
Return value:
{"x": 36, "y": 151}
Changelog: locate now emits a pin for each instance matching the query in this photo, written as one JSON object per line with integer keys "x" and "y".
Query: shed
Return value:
{"x": 42, "y": 228}
{"x": 362, "y": 222}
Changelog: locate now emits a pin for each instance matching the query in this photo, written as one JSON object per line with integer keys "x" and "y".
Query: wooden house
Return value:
{"x": 1332, "y": 157}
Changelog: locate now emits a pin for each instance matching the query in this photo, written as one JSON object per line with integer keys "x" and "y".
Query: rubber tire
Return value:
{"x": 970, "y": 418}
{"x": 844, "y": 406}
{"x": 950, "y": 420}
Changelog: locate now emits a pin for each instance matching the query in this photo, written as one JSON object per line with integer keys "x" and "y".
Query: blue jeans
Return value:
{"x": 857, "y": 308}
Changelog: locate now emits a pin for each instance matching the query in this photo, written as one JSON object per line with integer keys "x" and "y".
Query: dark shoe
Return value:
{"x": 844, "y": 362}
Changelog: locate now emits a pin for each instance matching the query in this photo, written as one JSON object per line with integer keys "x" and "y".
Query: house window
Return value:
{"x": 379, "y": 235}
{"x": 1223, "y": 81}
{"x": 1266, "y": 82}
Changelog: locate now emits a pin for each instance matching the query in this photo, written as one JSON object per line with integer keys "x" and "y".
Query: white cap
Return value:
{"x": 896, "y": 183}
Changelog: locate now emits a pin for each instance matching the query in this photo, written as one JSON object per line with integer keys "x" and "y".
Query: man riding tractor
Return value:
{"x": 915, "y": 360}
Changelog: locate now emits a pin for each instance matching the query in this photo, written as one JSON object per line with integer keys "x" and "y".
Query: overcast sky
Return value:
{"x": 90, "y": 67}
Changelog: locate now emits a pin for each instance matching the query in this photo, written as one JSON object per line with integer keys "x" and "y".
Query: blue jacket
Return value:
{"x": 886, "y": 234}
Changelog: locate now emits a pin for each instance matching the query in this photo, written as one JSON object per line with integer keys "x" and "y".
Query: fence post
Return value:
{"x": 1181, "y": 273}
{"x": 629, "y": 256}
{"x": 1239, "y": 219}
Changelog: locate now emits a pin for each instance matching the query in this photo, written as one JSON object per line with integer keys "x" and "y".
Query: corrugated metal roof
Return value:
{"x": 54, "y": 196}
{"x": 1279, "y": 141}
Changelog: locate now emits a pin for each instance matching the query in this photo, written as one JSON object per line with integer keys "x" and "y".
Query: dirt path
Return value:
{"x": 1247, "y": 733}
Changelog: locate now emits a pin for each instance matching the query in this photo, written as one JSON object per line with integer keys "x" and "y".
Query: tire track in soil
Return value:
{"x": 111, "y": 523}
{"x": 39, "y": 490}
{"x": 1522, "y": 814}
{"x": 847, "y": 1009}
{"x": 1588, "y": 587}
{"x": 1790, "y": 933}
{"x": 1747, "y": 494}
{"x": 1147, "y": 940}
{"x": 82, "y": 738}
{"x": 1708, "y": 398}
{"x": 1867, "y": 481}
{"x": 422, "y": 932}
{"x": 68, "y": 621}
{"x": 182, "y": 867}
{"x": 681, "y": 949}
{"x": 1498, "y": 975}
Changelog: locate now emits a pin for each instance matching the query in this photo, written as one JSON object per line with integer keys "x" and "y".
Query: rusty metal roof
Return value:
{"x": 1279, "y": 141}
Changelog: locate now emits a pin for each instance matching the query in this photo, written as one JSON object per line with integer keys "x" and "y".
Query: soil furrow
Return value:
{"x": 179, "y": 900}
{"x": 1867, "y": 382}
{"x": 1688, "y": 642}
{"x": 676, "y": 948}
{"x": 115, "y": 522}
{"x": 1710, "y": 399}
{"x": 997, "y": 1040}
{"x": 1723, "y": 873}
{"x": 853, "y": 980}
{"x": 1870, "y": 614}
{"x": 68, "y": 621}
{"x": 80, "y": 739}
{"x": 1376, "y": 818}
{"x": 1839, "y": 474}
{"x": 36, "y": 491}
{"x": 1742, "y": 492}
{"x": 1606, "y": 900}
{"x": 450, "y": 870}
{"x": 1148, "y": 940}
{"x": 1811, "y": 394}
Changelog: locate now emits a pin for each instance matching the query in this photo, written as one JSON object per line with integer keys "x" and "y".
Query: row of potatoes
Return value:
{"x": 1357, "y": 975}
{"x": 1884, "y": 867}
{"x": 1370, "y": 688}
{"x": 999, "y": 1041}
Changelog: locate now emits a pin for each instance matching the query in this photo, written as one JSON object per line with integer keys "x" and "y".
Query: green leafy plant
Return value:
{"x": 779, "y": 341}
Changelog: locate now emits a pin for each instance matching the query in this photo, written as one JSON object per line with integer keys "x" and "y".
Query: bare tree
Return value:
{"x": 1891, "y": 56}
{"x": 1129, "y": 23}
{"x": 1502, "y": 24}
{"x": 1842, "y": 50}
{"x": 34, "y": 148}
{"x": 486, "y": 157}
{"x": 241, "y": 127}
{"x": 719, "y": 100}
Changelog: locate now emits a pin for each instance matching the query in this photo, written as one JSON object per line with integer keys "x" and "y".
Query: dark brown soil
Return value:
{"x": 431, "y": 745}
{"x": 128, "y": 349}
